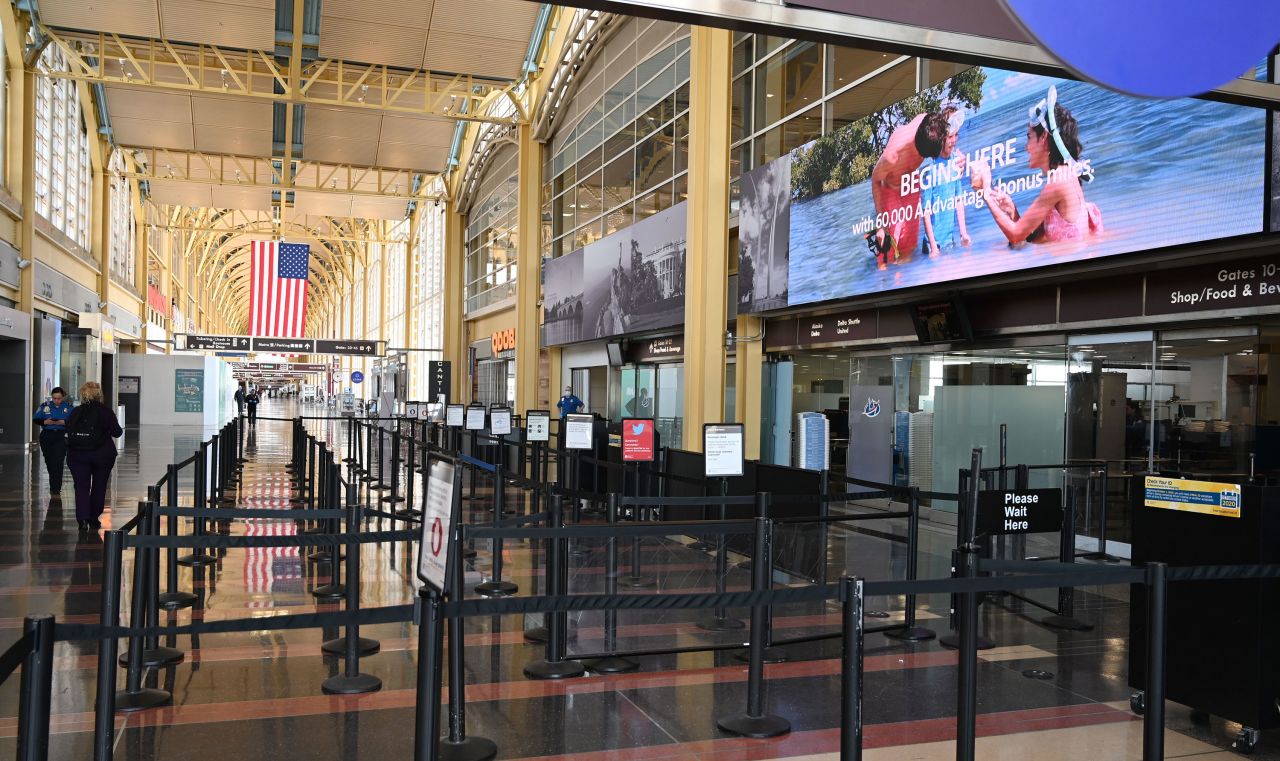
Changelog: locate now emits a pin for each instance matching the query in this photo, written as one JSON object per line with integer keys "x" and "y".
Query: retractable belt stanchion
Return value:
{"x": 296, "y": 441}
{"x": 456, "y": 745}
{"x": 148, "y": 559}
{"x": 199, "y": 496}
{"x": 240, "y": 458}
{"x": 330, "y": 555}
{"x": 754, "y": 722}
{"x": 1153, "y": 713}
{"x": 1065, "y": 617}
{"x": 301, "y": 482}
{"x": 910, "y": 632}
{"x": 426, "y": 735}
{"x": 37, "y": 689}
{"x": 351, "y": 681}
{"x": 380, "y": 480}
{"x": 104, "y": 720}
{"x": 966, "y": 531}
{"x": 720, "y": 620}
{"x": 967, "y": 697}
{"x": 394, "y": 496}
{"x": 351, "y": 442}
{"x": 851, "y": 674}
{"x": 554, "y": 666}
{"x": 135, "y": 697}
{"x": 495, "y": 586}
{"x": 771, "y": 654}
{"x": 173, "y": 599}
{"x": 611, "y": 664}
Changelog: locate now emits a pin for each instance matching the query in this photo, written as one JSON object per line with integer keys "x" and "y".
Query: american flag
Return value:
{"x": 278, "y": 299}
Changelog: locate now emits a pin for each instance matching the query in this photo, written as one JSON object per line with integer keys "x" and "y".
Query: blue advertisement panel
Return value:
{"x": 994, "y": 171}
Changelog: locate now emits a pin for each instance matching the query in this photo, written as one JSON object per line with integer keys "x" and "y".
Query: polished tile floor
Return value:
{"x": 258, "y": 695}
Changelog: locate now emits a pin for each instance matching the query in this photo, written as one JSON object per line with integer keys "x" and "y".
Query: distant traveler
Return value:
{"x": 52, "y": 416}
{"x": 239, "y": 397}
{"x": 91, "y": 453}
{"x": 251, "y": 401}
{"x": 569, "y": 403}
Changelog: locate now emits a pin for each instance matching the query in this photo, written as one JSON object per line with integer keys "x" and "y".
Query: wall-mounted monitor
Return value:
{"x": 941, "y": 321}
{"x": 614, "y": 348}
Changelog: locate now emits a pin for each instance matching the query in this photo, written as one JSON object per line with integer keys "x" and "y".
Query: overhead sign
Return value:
{"x": 284, "y": 345}
{"x": 438, "y": 381}
{"x": 722, "y": 449}
{"x": 351, "y": 347}
{"x": 500, "y": 421}
{"x": 297, "y": 367}
{"x": 637, "y": 440}
{"x": 537, "y": 425}
{"x": 1183, "y": 495}
{"x": 453, "y": 416}
{"x": 475, "y": 417}
{"x": 1019, "y": 511}
{"x": 437, "y": 525}
{"x": 578, "y": 430}
{"x": 195, "y": 342}
{"x": 357, "y": 376}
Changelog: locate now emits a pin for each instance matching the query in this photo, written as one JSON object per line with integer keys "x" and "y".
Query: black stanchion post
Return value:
{"x": 366, "y": 472}
{"x": 426, "y": 736}
{"x": 240, "y": 458}
{"x": 104, "y": 720}
{"x": 135, "y": 697}
{"x": 1153, "y": 715}
{"x": 457, "y": 746}
{"x": 910, "y": 632}
{"x": 495, "y": 586}
{"x": 380, "y": 482}
{"x": 153, "y": 655}
{"x": 611, "y": 664}
{"x": 1065, "y": 617}
{"x": 199, "y": 494}
{"x": 851, "y": 670}
{"x": 394, "y": 496}
{"x": 330, "y": 555}
{"x": 173, "y": 599}
{"x": 37, "y": 689}
{"x": 554, "y": 666}
{"x": 351, "y": 441}
{"x": 771, "y": 654}
{"x": 967, "y": 698}
{"x": 755, "y": 722}
{"x": 351, "y": 681}
{"x": 966, "y": 531}
{"x": 720, "y": 620}
{"x": 364, "y": 645}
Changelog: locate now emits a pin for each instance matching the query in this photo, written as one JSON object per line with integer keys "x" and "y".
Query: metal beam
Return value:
{"x": 165, "y": 164}
{"x": 108, "y": 58}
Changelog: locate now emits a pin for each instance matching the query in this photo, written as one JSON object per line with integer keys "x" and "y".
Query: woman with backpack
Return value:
{"x": 91, "y": 453}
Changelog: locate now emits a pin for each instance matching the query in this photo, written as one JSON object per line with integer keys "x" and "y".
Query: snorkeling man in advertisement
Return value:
{"x": 921, "y": 138}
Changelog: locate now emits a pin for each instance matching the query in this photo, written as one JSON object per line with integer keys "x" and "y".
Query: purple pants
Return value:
{"x": 90, "y": 472}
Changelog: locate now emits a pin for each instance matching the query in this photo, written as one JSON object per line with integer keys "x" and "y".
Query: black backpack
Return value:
{"x": 84, "y": 433}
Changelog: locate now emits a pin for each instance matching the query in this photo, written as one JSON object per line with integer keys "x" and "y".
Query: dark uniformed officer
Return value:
{"x": 52, "y": 416}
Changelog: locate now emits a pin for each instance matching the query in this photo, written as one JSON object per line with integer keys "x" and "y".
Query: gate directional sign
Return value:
{"x": 195, "y": 342}
{"x": 291, "y": 345}
{"x": 339, "y": 346}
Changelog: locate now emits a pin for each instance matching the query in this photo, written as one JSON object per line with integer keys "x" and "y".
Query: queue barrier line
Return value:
{"x": 846, "y": 517}
{"x": 388, "y": 614}
{"x": 302, "y": 540}
{"x": 615, "y": 530}
{"x": 13, "y": 657}
{"x": 236, "y": 513}
{"x": 708, "y": 501}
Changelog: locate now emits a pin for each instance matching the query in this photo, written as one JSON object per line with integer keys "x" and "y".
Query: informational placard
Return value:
{"x": 637, "y": 440}
{"x": 722, "y": 449}
{"x": 437, "y": 525}
{"x": 578, "y": 430}
{"x": 1019, "y": 511}
{"x": 357, "y": 376}
{"x": 129, "y": 384}
{"x": 438, "y": 375}
{"x": 1183, "y": 495}
{"x": 454, "y": 414}
{"x": 411, "y": 409}
{"x": 424, "y": 411}
{"x": 188, "y": 390}
{"x": 500, "y": 421}
{"x": 475, "y": 417}
{"x": 537, "y": 425}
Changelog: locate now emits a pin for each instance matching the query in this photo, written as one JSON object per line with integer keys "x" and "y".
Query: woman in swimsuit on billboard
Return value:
{"x": 1061, "y": 211}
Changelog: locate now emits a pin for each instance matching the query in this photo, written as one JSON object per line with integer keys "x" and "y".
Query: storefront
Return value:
{"x": 651, "y": 385}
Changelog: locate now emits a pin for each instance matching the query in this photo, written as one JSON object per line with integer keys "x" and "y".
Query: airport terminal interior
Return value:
{"x": 650, "y": 380}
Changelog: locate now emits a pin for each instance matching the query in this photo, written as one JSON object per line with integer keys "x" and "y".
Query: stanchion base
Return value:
{"x": 755, "y": 726}
{"x": 701, "y": 545}
{"x": 367, "y": 479}
{"x": 379, "y": 487}
{"x": 323, "y": 556}
{"x": 1067, "y": 622}
{"x": 349, "y": 460}
{"x": 912, "y": 634}
{"x": 554, "y": 670}
{"x": 714, "y": 624}
{"x": 469, "y": 749}
{"x": 330, "y": 592}
{"x": 298, "y": 501}
{"x": 393, "y": 498}
{"x": 156, "y": 657}
{"x": 225, "y": 501}
{"x": 771, "y": 655}
{"x": 196, "y": 559}
{"x": 536, "y": 634}
{"x": 637, "y": 582}
{"x": 613, "y": 664}
{"x": 176, "y": 600}
{"x": 408, "y": 513}
{"x": 351, "y": 685}
{"x": 468, "y": 553}
{"x": 952, "y": 641}
{"x": 364, "y": 646}
{"x": 497, "y": 588}
{"x": 144, "y": 698}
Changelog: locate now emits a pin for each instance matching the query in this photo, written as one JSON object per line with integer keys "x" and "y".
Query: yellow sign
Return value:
{"x": 1207, "y": 497}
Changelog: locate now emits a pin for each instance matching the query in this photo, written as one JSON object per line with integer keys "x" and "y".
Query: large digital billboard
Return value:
{"x": 993, "y": 171}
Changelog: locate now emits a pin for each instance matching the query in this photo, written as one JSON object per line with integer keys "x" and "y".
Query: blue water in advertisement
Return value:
{"x": 1162, "y": 173}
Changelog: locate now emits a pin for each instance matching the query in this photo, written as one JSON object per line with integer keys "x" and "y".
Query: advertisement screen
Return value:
{"x": 993, "y": 171}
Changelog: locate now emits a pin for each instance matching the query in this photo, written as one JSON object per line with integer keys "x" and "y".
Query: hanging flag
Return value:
{"x": 278, "y": 297}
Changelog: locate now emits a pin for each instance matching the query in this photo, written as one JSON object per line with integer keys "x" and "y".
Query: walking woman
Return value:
{"x": 52, "y": 416}
{"x": 91, "y": 453}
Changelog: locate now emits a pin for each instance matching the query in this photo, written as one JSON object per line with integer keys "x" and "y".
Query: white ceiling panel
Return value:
{"x": 321, "y": 203}
{"x": 355, "y": 150}
{"x": 473, "y": 54}
{"x": 181, "y": 193}
{"x": 241, "y": 113}
{"x": 378, "y": 208}
{"x": 371, "y": 42}
{"x": 341, "y": 123}
{"x": 496, "y": 19}
{"x": 150, "y": 133}
{"x": 415, "y": 14}
{"x": 246, "y": 24}
{"x": 422, "y": 158}
{"x": 408, "y": 129}
{"x": 139, "y": 18}
{"x": 130, "y": 102}
{"x": 231, "y": 197}
{"x": 245, "y": 142}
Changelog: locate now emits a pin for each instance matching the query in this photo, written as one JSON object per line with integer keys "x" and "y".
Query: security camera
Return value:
{"x": 102, "y": 305}
{"x": 24, "y": 263}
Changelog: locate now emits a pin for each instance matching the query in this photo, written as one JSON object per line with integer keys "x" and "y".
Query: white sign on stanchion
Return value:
{"x": 475, "y": 417}
{"x": 424, "y": 411}
{"x": 722, "y": 450}
{"x": 437, "y": 523}
{"x": 454, "y": 414}
{"x": 411, "y": 410}
{"x": 578, "y": 430}
{"x": 537, "y": 425}
{"x": 500, "y": 421}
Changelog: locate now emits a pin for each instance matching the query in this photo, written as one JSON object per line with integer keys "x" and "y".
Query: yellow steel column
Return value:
{"x": 528, "y": 269}
{"x": 454, "y": 298}
{"x": 707, "y": 259}
{"x": 27, "y": 232}
{"x": 747, "y": 377}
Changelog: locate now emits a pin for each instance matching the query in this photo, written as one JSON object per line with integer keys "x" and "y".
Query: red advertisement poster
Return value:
{"x": 637, "y": 440}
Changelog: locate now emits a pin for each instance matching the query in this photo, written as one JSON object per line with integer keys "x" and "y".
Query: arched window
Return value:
{"x": 122, "y": 243}
{"x": 63, "y": 176}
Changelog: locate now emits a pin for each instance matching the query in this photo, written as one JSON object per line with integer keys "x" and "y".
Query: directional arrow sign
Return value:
{"x": 194, "y": 342}
{"x": 339, "y": 346}
{"x": 290, "y": 345}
